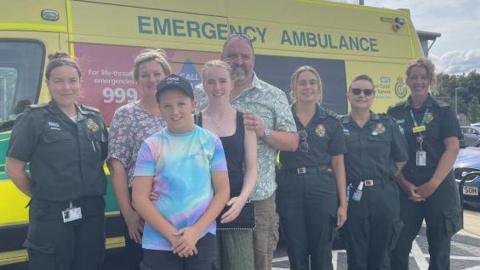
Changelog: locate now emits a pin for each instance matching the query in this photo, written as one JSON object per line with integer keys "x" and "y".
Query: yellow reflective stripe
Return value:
{"x": 5, "y": 224}
{"x": 33, "y": 27}
{"x": 71, "y": 46}
{"x": 19, "y": 256}
{"x": 16, "y": 256}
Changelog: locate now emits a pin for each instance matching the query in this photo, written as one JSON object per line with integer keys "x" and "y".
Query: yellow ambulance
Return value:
{"x": 340, "y": 40}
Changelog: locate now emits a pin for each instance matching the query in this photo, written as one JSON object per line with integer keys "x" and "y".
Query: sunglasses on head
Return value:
{"x": 303, "y": 147}
{"x": 366, "y": 92}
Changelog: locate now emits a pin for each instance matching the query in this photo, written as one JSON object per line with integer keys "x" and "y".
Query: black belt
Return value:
{"x": 366, "y": 182}
{"x": 307, "y": 170}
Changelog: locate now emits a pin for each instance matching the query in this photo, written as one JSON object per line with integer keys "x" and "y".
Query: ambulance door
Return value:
{"x": 22, "y": 59}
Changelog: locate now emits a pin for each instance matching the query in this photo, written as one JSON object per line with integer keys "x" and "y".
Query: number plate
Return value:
{"x": 471, "y": 191}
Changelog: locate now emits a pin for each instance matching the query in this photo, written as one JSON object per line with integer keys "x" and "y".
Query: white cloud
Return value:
{"x": 457, "y": 50}
{"x": 456, "y": 62}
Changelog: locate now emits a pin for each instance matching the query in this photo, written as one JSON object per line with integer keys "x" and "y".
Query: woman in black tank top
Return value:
{"x": 235, "y": 247}
{"x": 234, "y": 148}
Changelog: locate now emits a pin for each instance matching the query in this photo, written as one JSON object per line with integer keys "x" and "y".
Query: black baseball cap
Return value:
{"x": 176, "y": 82}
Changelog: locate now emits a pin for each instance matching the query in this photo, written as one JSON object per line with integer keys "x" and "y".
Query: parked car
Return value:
{"x": 471, "y": 130}
{"x": 470, "y": 140}
{"x": 468, "y": 161}
{"x": 471, "y": 136}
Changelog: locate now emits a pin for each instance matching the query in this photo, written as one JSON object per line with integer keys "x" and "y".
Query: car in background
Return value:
{"x": 468, "y": 162}
{"x": 471, "y": 136}
{"x": 471, "y": 129}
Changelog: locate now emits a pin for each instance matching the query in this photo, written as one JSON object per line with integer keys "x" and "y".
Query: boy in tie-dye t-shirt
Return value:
{"x": 186, "y": 166}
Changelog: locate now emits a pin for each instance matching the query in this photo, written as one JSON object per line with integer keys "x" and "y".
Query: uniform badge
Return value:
{"x": 92, "y": 126}
{"x": 400, "y": 121}
{"x": 320, "y": 130}
{"x": 428, "y": 118}
{"x": 346, "y": 132}
{"x": 379, "y": 129}
{"x": 54, "y": 125}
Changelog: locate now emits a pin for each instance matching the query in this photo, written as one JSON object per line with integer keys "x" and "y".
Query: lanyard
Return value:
{"x": 423, "y": 118}
{"x": 420, "y": 127}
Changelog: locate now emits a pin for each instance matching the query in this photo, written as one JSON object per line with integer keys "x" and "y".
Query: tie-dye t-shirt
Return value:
{"x": 182, "y": 167}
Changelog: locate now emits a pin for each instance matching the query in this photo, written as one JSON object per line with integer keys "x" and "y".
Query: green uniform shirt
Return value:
{"x": 323, "y": 139}
{"x": 65, "y": 158}
{"x": 373, "y": 150}
{"x": 440, "y": 122}
{"x": 271, "y": 104}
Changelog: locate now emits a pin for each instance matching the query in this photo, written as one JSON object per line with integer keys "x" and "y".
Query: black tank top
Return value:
{"x": 234, "y": 153}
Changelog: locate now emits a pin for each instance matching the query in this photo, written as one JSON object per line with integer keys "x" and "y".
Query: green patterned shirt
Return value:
{"x": 270, "y": 104}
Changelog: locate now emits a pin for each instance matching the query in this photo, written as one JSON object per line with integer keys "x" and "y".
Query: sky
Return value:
{"x": 457, "y": 51}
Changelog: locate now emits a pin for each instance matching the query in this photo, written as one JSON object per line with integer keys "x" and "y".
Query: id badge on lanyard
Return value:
{"x": 420, "y": 155}
{"x": 71, "y": 213}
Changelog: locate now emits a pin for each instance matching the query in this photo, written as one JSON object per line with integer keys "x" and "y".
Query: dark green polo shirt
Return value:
{"x": 65, "y": 158}
{"x": 373, "y": 149}
{"x": 440, "y": 122}
{"x": 324, "y": 137}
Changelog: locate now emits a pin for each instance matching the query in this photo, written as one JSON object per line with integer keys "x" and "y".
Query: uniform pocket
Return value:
{"x": 52, "y": 136}
{"x": 396, "y": 230}
{"x": 41, "y": 256}
{"x": 336, "y": 237}
{"x": 452, "y": 221}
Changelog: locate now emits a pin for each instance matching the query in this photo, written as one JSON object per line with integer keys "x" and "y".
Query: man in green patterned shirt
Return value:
{"x": 267, "y": 112}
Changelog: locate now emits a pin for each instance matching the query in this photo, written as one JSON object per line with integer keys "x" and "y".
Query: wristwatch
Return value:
{"x": 266, "y": 133}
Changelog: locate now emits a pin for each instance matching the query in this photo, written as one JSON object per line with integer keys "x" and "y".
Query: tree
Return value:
{"x": 474, "y": 110}
{"x": 446, "y": 85}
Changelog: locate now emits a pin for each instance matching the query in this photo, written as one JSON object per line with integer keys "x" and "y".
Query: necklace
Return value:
{"x": 217, "y": 123}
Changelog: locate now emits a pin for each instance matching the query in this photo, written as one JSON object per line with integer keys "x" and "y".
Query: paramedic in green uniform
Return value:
{"x": 429, "y": 191}
{"x": 311, "y": 185}
{"x": 64, "y": 145}
{"x": 376, "y": 152}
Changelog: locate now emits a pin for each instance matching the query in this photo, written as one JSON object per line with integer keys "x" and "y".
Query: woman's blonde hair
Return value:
{"x": 216, "y": 63}
{"x": 294, "y": 79}
{"x": 157, "y": 55}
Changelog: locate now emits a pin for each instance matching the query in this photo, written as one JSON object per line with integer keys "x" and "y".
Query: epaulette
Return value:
{"x": 399, "y": 104}
{"x": 329, "y": 112}
{"x": 385, "y": 118}
{"x": 340, "y": 117}
{"x": 344, "y": 118}
{"x": 441, "y": 103}
{"x": 382, "y": 115}
{"x": 88, "y": 108}
{"x": 37, "y": 106}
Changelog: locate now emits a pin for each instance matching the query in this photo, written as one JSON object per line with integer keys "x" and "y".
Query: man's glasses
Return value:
{"x": 366, "y": 92}
{"x": 303, "y": 140}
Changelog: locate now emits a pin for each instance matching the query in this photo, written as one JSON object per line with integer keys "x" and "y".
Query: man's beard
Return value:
{"x": 239, "y": 74}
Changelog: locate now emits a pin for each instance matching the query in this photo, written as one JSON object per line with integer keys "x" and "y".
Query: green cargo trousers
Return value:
{"x": 373, "y": 226}
{"x": 442, "y": 214}
{"x": 76, "y": 245}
